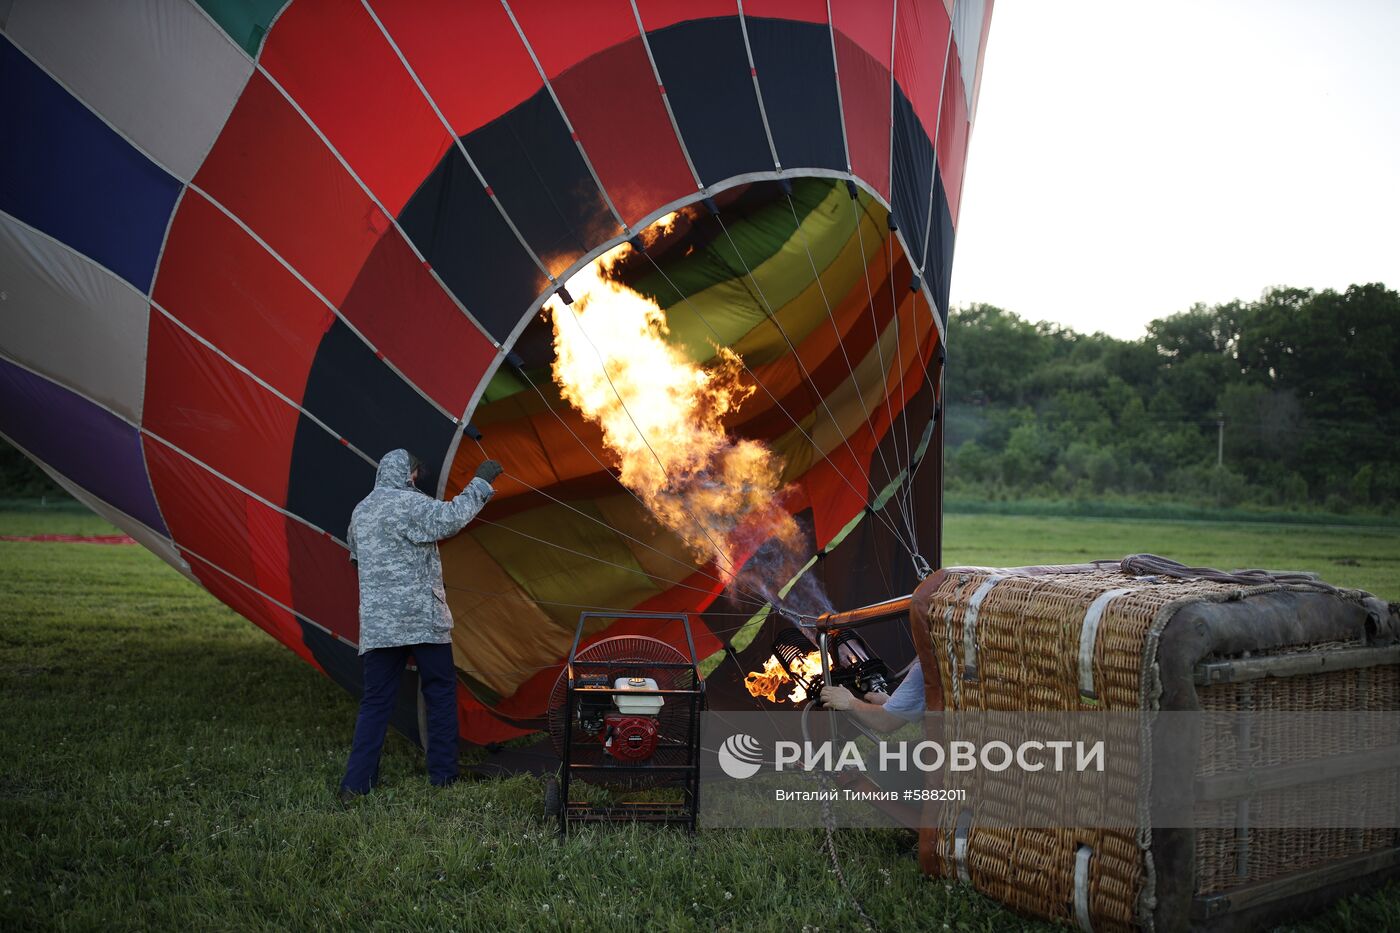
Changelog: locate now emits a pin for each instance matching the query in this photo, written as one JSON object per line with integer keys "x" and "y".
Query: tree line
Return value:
{"x": 1290, "y": 401}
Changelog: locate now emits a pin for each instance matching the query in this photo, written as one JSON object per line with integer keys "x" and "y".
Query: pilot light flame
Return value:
{"x": 767, "y": 682}
{"x": 661, "y": 416}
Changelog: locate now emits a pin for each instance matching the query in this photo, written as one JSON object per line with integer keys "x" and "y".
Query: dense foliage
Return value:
{"x": 1304, "y": 382}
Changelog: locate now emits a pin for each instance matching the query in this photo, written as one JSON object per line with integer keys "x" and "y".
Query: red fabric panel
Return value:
{"x": 952, "y": 136}
{"x": 867, "y": 23}
{"x": 202, "y": 405}
{"x": 271, "y": 170}
{"x": 566, "y": 32}
{"x": 921, "y": 41}
{"x": 229, "y": 290}
{"x": 466, "y": 53}
{"x": 615, "y": 107}
{"x": 403, "y": 310}
{"x": 865, "y": 103}
{"x": 336, "y": 64}
{"x": 808, "y": 11}
{"x": 276, "y": 175}
{"x": 326, "y": 588}
{"x": 205, "y": 514}
{"x": 262, "y": 612}
{"x": 658, "y": 14}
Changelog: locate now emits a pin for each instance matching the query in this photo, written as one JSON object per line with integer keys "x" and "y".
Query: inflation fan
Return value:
{"x": 624, "y": 717}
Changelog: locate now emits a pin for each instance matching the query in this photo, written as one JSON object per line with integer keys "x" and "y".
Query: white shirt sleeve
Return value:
{"x": 907, "y": 701}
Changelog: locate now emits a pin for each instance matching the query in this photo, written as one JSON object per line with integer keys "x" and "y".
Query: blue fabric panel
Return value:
{"x": 458, "y": 230}
{"x": 349, "y": 387}
{"x": 798, "y": 78}
{"x": 706, "y": 73}
{"x": 913, "y": 173}
{"x": 938, "y": 254}
{"x": 65, "y": 172}
{"x": 528, "y": 158}
{"x": 91, "y": 446}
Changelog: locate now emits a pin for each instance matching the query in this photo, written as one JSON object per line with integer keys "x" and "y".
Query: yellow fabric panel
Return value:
{"x": 566, "y": 560}
{"x": 675, "y": 562}
{"x": 501, "y": 637}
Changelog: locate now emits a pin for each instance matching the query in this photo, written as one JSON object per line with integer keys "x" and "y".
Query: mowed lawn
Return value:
{"x": 164, "y": 764}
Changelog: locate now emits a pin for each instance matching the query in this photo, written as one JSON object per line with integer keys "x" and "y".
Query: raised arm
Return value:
{"x": 433, "y": 520}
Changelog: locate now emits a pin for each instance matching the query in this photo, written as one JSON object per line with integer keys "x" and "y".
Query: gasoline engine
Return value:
{"x": 621, "y": 713}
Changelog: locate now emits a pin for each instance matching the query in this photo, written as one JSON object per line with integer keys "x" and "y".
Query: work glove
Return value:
{"x": 489, "y": 470}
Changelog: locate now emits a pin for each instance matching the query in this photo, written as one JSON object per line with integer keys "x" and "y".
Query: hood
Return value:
{"x": 393, "y": 471}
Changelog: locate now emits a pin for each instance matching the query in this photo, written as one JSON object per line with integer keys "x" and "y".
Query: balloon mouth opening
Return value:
{"x": 778, "y": 300}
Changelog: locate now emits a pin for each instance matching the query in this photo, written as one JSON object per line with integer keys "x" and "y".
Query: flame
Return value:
{"x": 767, "y": 682}
{"x": 661, "y": 416}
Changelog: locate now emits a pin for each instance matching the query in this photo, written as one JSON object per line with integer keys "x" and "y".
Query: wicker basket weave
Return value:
{"x": 1092, "y": 637}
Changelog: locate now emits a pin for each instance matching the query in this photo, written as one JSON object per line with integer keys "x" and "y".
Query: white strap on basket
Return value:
{"x": 1088, "y": 637}
{"x": 960, "y": 834}
{"x": 1082, "y": 857}
{"x": 974, "y": 606}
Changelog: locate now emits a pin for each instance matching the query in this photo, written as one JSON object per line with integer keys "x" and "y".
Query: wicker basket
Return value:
{"x": 1086, "y": 637}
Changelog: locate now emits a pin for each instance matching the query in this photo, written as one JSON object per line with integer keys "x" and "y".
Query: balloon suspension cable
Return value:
{"x": 908, "y": 546}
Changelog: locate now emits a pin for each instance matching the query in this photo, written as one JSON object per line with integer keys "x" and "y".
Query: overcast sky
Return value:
{"x": 1130, "y": 158}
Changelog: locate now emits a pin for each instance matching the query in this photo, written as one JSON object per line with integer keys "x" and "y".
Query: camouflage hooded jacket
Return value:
{"x": 394, "y": 533}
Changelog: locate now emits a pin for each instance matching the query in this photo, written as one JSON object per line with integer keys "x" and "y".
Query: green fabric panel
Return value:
{"x": 734, "y": 311}
{"x": 245, "y": 21}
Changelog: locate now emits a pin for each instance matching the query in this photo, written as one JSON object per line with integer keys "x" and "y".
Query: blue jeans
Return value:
{"x": 383, "y": 668}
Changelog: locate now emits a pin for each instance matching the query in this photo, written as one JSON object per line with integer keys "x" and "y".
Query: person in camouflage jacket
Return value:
{"x": 393, "y": 539}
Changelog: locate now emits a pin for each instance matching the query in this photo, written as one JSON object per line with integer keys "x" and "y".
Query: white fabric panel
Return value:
{"x": 157, "y": 70}
{"x": 67, "y": 317}
{"x": 968, "y": 16}
{"x": 152, "y": 541}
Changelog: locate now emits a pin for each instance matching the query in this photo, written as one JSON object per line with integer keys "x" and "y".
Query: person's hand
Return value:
{"x": 836, "y": 697}
{"x": 489, "y": 470}
{"x": 876, "y": 697}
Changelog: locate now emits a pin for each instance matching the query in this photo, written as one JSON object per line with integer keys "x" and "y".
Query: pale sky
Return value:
{"x": 1130, "y": 158}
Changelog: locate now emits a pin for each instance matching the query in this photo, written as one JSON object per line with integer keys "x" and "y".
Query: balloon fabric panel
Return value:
{"x": 865, "y": 103}
{"x": 198, "y": 402}
{"x": 922, "y": 32}
{"x": 219, "y": 282}
{"x": 796, "y": 74}
{"x": 245, "y": 21}
{"x": 705, "y": 70}
{"x": 334, "y": 61}
{"x": 65, "y": 172}
{"x": 459, "y": 230}
{"x": 88, "y": 444}
{"x": 56, "y": 294}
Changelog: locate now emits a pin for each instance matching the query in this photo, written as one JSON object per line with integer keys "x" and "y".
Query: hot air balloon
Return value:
{"x": 248, "y": 248}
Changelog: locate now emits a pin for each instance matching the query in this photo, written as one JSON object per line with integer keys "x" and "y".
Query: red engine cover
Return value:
{"x": 630, "y": 738}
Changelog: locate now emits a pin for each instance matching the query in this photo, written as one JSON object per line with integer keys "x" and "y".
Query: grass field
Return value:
{"x": 165, "y": 764}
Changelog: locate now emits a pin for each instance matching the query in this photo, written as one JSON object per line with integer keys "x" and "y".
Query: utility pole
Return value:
{"x": 1220, "y": 439}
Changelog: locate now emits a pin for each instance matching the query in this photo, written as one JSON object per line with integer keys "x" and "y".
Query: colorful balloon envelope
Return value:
{"x": 248, "y": 248}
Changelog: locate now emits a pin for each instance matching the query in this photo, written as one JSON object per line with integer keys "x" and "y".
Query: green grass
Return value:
{"x": 165, "y": 764}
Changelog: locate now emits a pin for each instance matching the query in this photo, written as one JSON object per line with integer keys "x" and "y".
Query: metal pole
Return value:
{"x": 1220, "y": 441}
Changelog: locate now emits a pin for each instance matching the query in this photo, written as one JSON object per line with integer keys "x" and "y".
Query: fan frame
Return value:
{"x": 686, "y": 773}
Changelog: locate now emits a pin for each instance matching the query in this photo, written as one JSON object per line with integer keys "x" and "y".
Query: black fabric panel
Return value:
{"x": 342, "y": 665}
{"x": 706, "y": 73}
{"x": 357, "y": 393}
{"x": 798, "y": 78}
{"x": 529, "y": 159}
{"x": 462, "y": 234}
{"x": 938, "y": 253}
{"x": 913, "y": 173}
